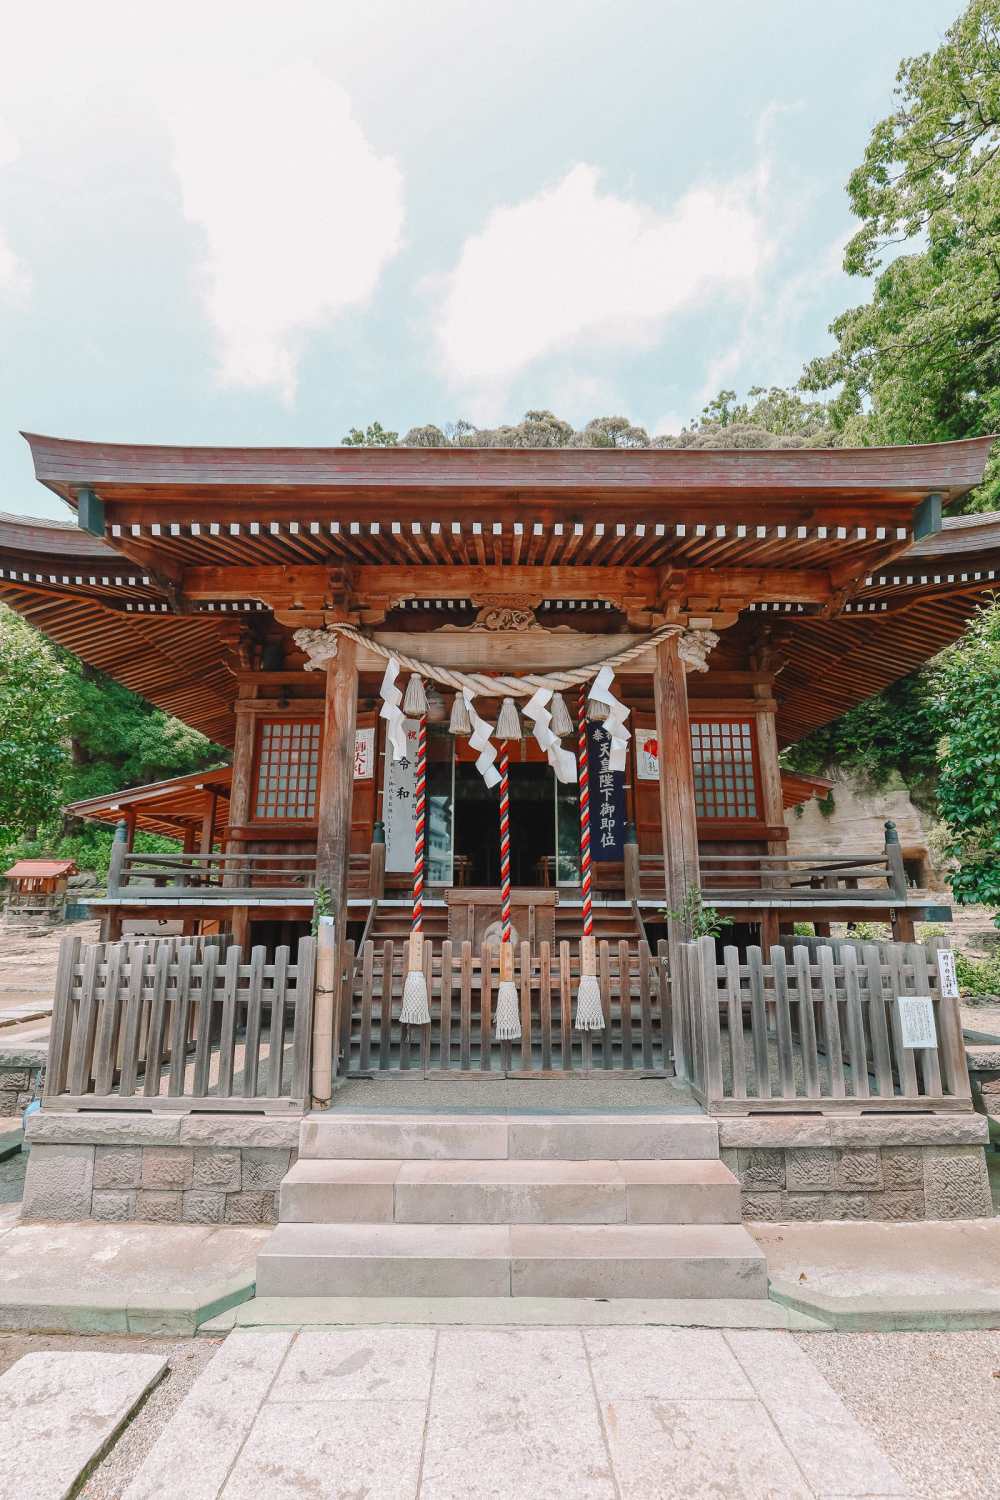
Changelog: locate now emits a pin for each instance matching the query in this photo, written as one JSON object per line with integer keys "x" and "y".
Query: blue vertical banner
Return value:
{"x": 607, "y": 798}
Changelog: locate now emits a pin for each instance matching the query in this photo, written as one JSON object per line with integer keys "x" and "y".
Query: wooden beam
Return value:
{"x": 314, "y": 587}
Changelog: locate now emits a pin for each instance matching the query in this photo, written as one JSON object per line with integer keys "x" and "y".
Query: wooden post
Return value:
{"x": 240, "y": 790}
{"x": 130, "y": 817}
{"x": 678, "y": 825}
{"x": 118, "y": 851}
{"x": 208, "y": 821}
{"x": 903, "y": 929}
{"x": 376, "y": 868}
{"x": 631, "y": 852}
{"x": 336, "y": 787}
{"x": 323, "y": 1014}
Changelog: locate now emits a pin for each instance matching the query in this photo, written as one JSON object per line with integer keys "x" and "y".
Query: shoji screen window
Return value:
{"x": 287, "y": 769}
{"x": 725, "y": 781}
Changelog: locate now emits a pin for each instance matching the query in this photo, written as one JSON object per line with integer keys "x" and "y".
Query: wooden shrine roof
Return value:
{"x": 157, "y": 603}
{"x": 471, "y": 506}
{"x": 168, "y": 807}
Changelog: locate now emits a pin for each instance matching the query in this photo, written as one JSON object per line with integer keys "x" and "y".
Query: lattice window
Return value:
{"x": 724, "y": 781}
{"x": 287, "y": 769}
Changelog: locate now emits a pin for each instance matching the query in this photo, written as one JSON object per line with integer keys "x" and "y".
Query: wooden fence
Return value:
{"x": 818, "y": 1028}
{"x": 462, "y": 986}
{"x": 180, "y": 1024}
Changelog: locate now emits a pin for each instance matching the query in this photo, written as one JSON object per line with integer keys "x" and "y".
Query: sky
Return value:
{"x": 267, "y": 223}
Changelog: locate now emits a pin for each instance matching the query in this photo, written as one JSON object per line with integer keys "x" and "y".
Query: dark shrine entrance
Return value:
{"x": 532, "y": 824}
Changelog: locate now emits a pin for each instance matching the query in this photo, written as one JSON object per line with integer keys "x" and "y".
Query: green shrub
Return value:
{"x": 978, "y": 977}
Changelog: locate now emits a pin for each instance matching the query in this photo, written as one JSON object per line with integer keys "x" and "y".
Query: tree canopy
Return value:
{"x": 920, "y": 361}
{"x": 68, "y": 732}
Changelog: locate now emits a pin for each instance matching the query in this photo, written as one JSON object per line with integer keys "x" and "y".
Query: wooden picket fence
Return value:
{"x": 815, "y": 1029}
{"x": 180, "y": 1024}
{"x": 462, "y": 986}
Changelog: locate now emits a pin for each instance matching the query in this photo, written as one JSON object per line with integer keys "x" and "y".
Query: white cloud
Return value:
{"x": 575, "y": 267}
{"x": 299, "y": 212}
{"x": 14, "y": 279}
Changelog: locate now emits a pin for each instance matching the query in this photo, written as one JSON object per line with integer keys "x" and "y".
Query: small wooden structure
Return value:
{"x": 36, "y": 895}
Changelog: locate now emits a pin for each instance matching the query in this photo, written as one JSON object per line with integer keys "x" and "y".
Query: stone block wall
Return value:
{"x": 890, "y": 1167}
{"x": 19, "y": 1073}
{"x": 160, "y": 1169}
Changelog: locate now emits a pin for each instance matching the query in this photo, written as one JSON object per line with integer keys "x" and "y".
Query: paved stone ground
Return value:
{"x": 622, "y": 1413}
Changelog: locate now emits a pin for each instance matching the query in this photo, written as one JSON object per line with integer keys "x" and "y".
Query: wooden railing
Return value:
{"x": 762, "y": 880}
{"x": 816, "y": 1028}
{"x": 180, "y": 1024}
{"x": 462, "y": 986}
{"x": 225, "y": 877}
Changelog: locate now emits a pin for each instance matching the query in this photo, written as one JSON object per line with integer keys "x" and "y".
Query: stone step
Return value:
{"x": 531, "y": 1260}
{"x": 323, "y": 1191}
{"x": 474, "y": 1137}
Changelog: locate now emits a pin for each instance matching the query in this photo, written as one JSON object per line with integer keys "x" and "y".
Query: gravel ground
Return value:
{"x": 188, "y": 1357}
{"x": 931, "y": 1399}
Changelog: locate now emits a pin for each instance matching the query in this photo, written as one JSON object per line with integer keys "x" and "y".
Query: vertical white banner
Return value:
{"x": 398, "y": 813}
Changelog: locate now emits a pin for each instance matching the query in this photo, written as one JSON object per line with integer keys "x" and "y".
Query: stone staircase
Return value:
{"x": 471, "y": 1205}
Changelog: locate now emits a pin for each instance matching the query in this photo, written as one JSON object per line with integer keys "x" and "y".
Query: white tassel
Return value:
{"x": 415, "y": 702}
{"x": 509, "y": 721}
{"x": 561, "y": 724}
{"x": 507, "y": 1021}
{"x": 589, "y": 1010}
{"x": 460, "y": 721}
{"x": 415, "y": 1011}
{"x": 597, "y": 711}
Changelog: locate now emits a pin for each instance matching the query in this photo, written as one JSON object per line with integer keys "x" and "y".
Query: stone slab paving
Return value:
{"x": 873, "y": 1276}
{"x": 59, "y": 1412}
{"x": 122, "y": 1278}
{"x": 459, "y": 1413}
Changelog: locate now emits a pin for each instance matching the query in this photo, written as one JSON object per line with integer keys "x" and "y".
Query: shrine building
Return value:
{"x": 499, "y": 797}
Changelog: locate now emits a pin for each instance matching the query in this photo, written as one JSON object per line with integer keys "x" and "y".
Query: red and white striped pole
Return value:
{"x": 589, "y": 1010}
{"x": 583, "y": 778}
{"x": 508, "y": 1013}
{"x": 419, "y": 810}
{"x": 416, "y": 1010}
{"x": 504, "y": 769}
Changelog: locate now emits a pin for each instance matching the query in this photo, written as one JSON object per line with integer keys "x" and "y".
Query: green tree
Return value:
{"x": 68, "y": 732}
{"x": 967, "y": 681}
{"x": 372, "y": 436}
{"x": 34, "y": 735}
{"x": 920, "y": 362}
{"x": 611, "y": 432}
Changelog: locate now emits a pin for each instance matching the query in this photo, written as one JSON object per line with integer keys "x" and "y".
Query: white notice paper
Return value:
{"x": 398, "y": 812}
{"x": 916, "y": 1021}
{"x": 947, "y": 974}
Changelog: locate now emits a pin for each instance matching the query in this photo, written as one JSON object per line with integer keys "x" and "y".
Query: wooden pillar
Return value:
{"x": 208, "y": 821}
{"x": 678, "y": 822}
{"x": 336, "y": 787}
{"x": 241, "y": 789}
{"x": 772, "y": 810}
{"x": 240, "y": 925}
{"x": 678, "y": 825}
{"x": 129, "y": 829}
